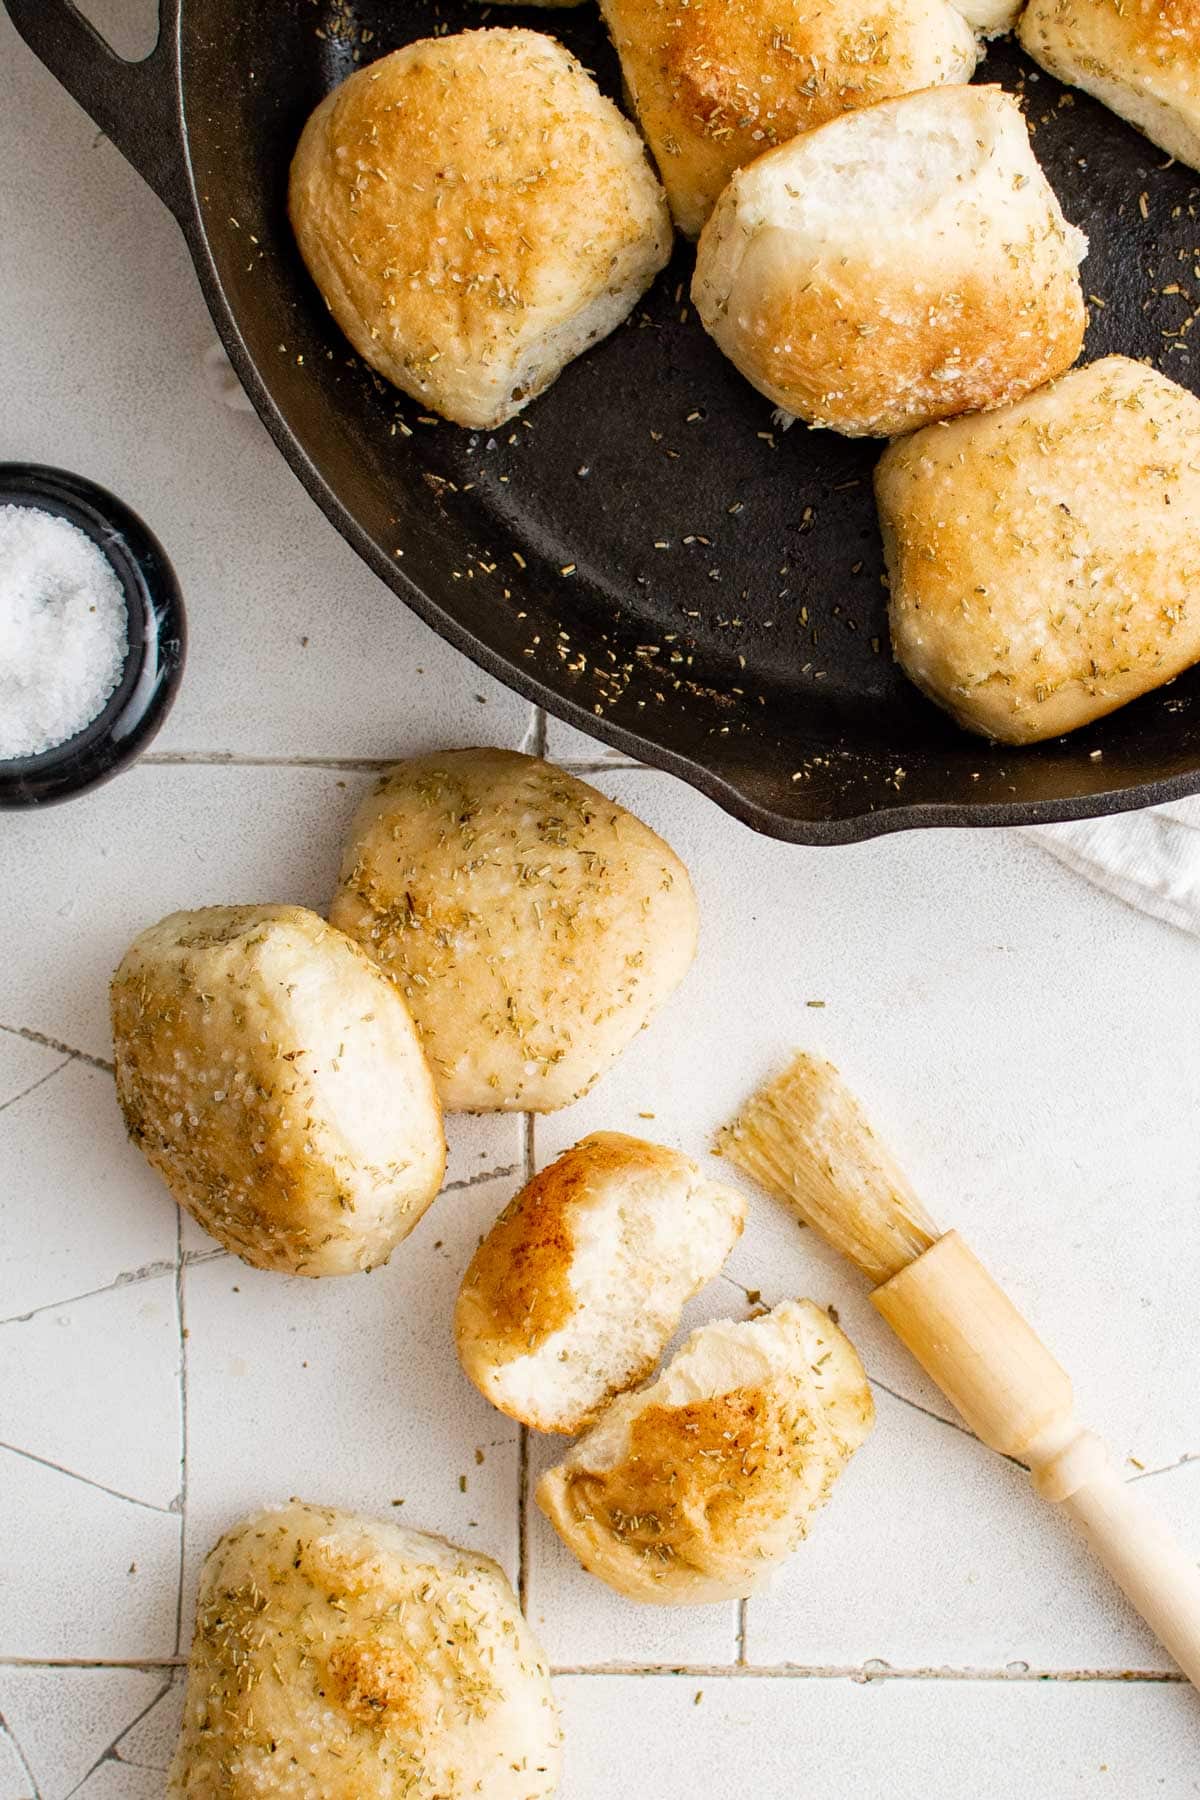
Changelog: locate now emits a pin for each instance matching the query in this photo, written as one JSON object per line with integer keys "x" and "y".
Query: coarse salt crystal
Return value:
{"x": 63, "y": 630}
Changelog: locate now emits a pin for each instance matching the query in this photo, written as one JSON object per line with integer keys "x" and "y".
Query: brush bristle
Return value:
{"x": 804, "y": 1138}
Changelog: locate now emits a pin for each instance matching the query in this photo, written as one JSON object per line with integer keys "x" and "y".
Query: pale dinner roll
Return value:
{"x": 579, "y": 1285}
{"x": 696, "y": 1488}
{"x": 990, "y": 18}
{"x": 715, "y": 84}
{"x": 476, "y": 213}
{"x": 1045, "y": 560}
{"x": 1139, "y": 57}
{"x": 899, "y": 265}
{"x": 532, "y": 924}
{"x": 275, "y": 1080}
{"x": 340, "y": 1658}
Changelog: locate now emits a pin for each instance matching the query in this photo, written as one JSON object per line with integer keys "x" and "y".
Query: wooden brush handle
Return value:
{"x": 969, "y": 1337}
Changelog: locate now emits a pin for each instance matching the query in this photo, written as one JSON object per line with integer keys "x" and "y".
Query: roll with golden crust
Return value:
{"x": 531, "y": 924}
{"x": 1045, "y": 560}
{"x": 1139, "y": 57}
{"x": 342, "y": 1658}
{"x": 697, "y": 1487}
{"x": 576, "y": 1289}
{"x": 897, "y": 266}
{"x": 275, "y": 1080}
{"x": 715, "y": 83}
{"x": 476, "y": 213}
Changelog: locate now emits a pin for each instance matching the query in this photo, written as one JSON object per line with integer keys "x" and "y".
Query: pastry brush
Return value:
{"x": 805, "y": 1139}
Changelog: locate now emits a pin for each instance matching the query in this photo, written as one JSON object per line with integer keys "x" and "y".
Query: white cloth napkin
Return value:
{"x": 1151, "y": 859}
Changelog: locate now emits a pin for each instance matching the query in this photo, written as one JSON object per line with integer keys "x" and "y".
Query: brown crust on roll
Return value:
{"x": 716, "y": 83}
{"x": 955, "y": 292}
{"x": 580, "y": 1283}
{"x": 475, "y": 213}
{"x": 1044, "y": 561}
{"x": 532, "y": 924}
{"x": 694, "y": 1489}
{"x": 1140, "y": 57}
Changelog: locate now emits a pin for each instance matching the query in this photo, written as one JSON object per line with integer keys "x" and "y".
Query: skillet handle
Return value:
{"x": 135, "y": 104}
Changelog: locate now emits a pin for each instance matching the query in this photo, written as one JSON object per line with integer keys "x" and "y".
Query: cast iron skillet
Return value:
{"x": 723, "y": 616}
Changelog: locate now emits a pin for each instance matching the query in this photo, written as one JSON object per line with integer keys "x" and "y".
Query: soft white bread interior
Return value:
{"x": 1139, "y": 57}
{"x": 532, "y": 924}
{"x": 1044, "y": 561}
{"x": 476, "y": 213}
{"x": 577, "y": 1288}
{"x": 341, "y": 1658}
{"x": 716, "y": 84}
{"x": 899, "y": 265}
{"x": 274, "y": 1078}
{"x": 697, "y": 1487}
{"x": 990, "y": 18}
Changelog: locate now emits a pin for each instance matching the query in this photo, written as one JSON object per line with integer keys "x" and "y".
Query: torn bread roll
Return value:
{"x": 697, "y": 1487}
{"x": 476, "y": 213}
{"x": 898, "y": 266}
{"x": 531, "y": 923}
{"x": 1044, "y": 561}
{"x": 577, "y": 1288}
{"x": 714, "y": 85}
{"x": 274, "y": 1078}
{"x": 346, "y": 1658}
{"x": 1141, "y": 58}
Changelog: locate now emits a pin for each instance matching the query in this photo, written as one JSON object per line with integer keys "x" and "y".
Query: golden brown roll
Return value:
{"x": 1139, "y": 57}
{"x": 1045, "y": 560}
{"x": 715, "y": 83}
{"x": 532, "y": 925}
{"x": 342, "y": 1658}
{"x": 576, "y": 1289}
{"x": 897, "y": 266}
{"x": 476, "y": 213}
{"x": 275, "y": 1080}
{"x": 696, "y": 1488}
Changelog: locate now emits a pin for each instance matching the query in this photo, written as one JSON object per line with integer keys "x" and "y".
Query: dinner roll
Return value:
{"x": 476, "y": 213}
{"x": 990, "y": 18}
{"x": 275, "y": 1080}
{"x": 1140, "y": 57}
{"x": 697, "y": 1487}
{"x": 1045, "y": 560}
{"x": 532, "y": 924}
{"x": 714, "y": 85}
{"x": 896, "y": 266}
{"x": 341, "y": 1658}
{"x": 579, "y": 1284}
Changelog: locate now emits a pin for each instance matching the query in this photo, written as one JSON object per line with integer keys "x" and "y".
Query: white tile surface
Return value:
{"x": 347, "y": 1392}
{"x": 94, "y": 1388}
{"x": 906, "y": 1740}
{"x": 67, "y": 1721}
{"x": 79, "y": 1209}
{"x": 85, "y": 1576}
{"x": 956, "y": 1564}
{"x": 1029, "y": 1047}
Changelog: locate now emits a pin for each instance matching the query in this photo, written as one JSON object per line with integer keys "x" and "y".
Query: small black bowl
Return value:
{"x": 157, "y": 633}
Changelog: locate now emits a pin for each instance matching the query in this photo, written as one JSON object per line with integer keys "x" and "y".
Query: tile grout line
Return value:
{"x": 862, "y": 1673}
{"x": 31, "y": 1036}
{"x": 44, "y": 1462}
{"x": 33, "y": 1087}
{"x": 362, "y": 765}
{"x": 181, "y": 1316}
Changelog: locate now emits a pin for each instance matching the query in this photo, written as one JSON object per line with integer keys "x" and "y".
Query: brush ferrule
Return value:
{"x": 969, "y": 1337}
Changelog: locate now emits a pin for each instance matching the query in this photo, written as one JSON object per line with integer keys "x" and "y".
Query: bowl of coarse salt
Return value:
{"x": 92, "y": 635}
